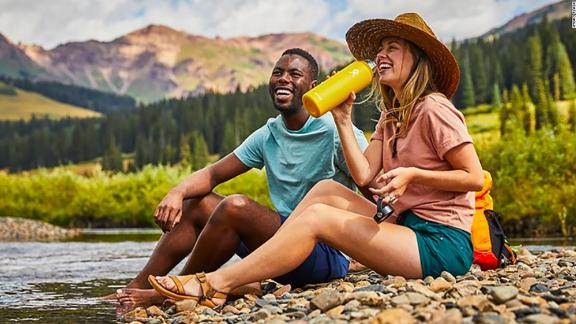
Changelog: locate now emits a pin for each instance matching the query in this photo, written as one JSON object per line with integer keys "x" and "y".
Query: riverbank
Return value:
{"x": 21, "y": 229}
{"x": 541, "y": 288}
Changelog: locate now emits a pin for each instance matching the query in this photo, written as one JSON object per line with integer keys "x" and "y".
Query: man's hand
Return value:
{"x": 169, "y": 211}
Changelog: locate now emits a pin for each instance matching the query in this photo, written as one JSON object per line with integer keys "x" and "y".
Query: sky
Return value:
{"x": 52, "y": 22}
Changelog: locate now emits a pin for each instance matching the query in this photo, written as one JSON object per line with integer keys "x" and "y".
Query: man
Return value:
{"x": 297, "y": 151}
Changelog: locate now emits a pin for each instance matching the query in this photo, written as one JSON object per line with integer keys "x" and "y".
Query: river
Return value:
{"x": 60, "y": 282}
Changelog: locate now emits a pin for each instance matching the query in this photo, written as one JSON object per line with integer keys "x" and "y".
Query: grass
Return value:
{"x": 25, "y": 104}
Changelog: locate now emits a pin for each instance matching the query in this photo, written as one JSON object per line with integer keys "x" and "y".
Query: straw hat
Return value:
{"x": 364, "y": 40}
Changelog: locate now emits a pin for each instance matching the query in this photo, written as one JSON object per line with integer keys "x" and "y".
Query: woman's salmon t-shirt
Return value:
{"x": 436, "y": 127}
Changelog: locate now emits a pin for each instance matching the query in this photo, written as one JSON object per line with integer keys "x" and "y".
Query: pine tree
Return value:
{"x": 468, "y": 97}
{"x": 228, "y": 140}
{"x": 112, "y": 158}
{"x": 535, "y": 73}
{"x": 199, "y": 151}
{"x": 541, "y": 102}
{"x": 516, "y": 111}
{"x": 566, "y": 74}
{"x": 496, "y": 100}
{"x": 478, "y": 73}
{"x": 553, "y": 116}
{"x": 529, "y": 121}
{"x": 185, "y": 155}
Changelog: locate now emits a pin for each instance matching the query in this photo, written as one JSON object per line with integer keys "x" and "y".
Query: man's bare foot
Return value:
{"x": 356, "y": 267}
{"x": 191, "y": 287}
{"x": 135, "y": 297}
{"x": 112, "y": 296}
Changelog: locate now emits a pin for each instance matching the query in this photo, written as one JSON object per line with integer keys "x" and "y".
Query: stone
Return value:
{"x": 450, "y": 316}
{"x": 539, "y": 288}
{"x": 369, "y": 298}
{"x": 500, "y": 295}
{"x": 396, "y": 282}
{"x": 526, "y": 283}
{"x": 488, "y": 318}
{"x": 135, "y": 314}
{"x": 327, "y": 300}
{"x": 393, "y": 316}
{"x": 448, "y": 276}
{"x": 540, "y": 319}
{"x": 346, "y": 286}
{"x": 478, "y": 302}
{"x": 400, "y": 300}
{"x": 314, "y": 313}
{"x": 416, "y": 298}
{"x": 230, "y": 309}
{"x": 421, "y": 289}
{"x": 379, "y": 288}
{"x": 335, "y": 312}
{"x": 260, "y": 315}
{"x": 351, "y": 305}
{"x": 440, "y": 284}
{"x": 155, "y": 311}
{"x": 186, "y": 305}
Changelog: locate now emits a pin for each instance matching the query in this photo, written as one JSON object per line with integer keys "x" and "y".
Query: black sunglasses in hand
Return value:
{"x": 383, "y": 210}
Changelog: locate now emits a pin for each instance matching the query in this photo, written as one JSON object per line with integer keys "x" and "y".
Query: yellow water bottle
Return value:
{"x": 336, "y": 89}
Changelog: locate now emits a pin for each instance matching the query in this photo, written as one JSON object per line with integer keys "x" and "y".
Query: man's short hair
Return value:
{"x": 308, "y": 57}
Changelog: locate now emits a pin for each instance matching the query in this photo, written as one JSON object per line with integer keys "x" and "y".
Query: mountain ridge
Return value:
{"x": 157, "y": 61}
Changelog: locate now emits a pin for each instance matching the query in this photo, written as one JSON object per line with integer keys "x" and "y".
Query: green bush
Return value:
{"x": 104, "y": 200}
{"x": 534, "y": 181}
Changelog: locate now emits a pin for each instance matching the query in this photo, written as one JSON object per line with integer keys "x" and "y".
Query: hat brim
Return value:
{"x": 364, "y": 40}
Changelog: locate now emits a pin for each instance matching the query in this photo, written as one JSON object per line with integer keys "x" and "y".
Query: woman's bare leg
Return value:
{"x": 386, "y": 248}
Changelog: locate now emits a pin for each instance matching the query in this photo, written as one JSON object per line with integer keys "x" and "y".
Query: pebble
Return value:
{"x": 539, "y": 289}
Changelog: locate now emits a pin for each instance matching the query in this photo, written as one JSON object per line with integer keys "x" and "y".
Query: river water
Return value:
{"x": 60, "y": 282}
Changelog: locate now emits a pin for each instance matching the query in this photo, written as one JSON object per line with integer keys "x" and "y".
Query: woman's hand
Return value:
{"x": 393, "y": 183}
{"x": 343, "y": 112}
{"x": 169, "y": 211}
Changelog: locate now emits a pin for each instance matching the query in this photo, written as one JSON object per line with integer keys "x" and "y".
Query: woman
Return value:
{"x": 431, "y": 170}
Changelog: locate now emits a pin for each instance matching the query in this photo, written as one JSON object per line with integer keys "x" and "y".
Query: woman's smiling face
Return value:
{"x": 394, "y": 61}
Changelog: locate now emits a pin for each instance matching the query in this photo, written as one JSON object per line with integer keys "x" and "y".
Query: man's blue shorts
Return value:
{"x": 324, "y": 264}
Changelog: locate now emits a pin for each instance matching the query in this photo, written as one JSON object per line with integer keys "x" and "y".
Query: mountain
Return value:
{"x": 157, "y": 61}
{"x": 555, "y": 11}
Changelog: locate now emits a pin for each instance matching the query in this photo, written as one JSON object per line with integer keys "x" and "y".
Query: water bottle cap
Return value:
{"x": 371, "y": 64}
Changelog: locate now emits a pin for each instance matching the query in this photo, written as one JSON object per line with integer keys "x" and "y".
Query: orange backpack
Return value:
{"x": 491, "y": 247}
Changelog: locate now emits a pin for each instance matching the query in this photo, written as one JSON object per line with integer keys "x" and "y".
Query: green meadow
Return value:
{"x": 17, "y": 104}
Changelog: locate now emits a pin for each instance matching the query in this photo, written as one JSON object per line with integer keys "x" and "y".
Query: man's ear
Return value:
{"x": 314, "y": 83}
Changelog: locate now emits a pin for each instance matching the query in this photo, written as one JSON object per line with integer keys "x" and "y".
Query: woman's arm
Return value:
{"x": 466, "y": 174}
{"x": 363, "y": 166}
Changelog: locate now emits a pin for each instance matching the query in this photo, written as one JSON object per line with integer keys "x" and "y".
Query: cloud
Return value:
{"x": 49, "y": 23}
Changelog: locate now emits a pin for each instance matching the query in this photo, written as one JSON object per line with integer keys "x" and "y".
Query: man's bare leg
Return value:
{"x": 235, "y": 217}
{"x": 174, "y": 245}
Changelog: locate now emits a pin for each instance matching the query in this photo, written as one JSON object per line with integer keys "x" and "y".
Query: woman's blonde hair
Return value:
{"x": 418, "y": 85}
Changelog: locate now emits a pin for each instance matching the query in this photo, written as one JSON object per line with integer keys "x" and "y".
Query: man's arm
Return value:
{"x": 198, "y": 184}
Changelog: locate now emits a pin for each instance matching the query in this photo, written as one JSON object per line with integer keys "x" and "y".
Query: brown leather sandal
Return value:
{"x": 207, "y": 293}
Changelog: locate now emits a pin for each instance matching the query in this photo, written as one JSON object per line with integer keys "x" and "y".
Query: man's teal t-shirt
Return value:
{"x": 296, "y": 160}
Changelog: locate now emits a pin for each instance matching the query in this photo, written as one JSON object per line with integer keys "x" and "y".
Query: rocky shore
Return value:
{"x": 21, "y": 229}
{"x": 541, "y": 288}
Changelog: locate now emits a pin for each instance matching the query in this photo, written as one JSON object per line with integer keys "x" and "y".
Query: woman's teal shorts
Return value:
{"x": 441, "y": 247}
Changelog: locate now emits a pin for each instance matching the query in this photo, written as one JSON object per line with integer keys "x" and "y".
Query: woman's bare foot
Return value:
{"x": 135, "y": 297}
{"x": 254, "y": 288}
{"x": 192, "y": 287}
